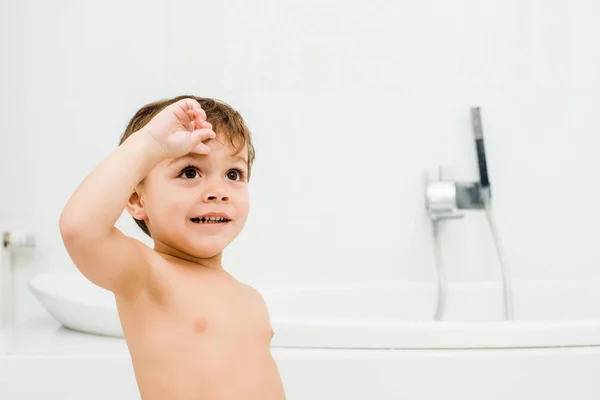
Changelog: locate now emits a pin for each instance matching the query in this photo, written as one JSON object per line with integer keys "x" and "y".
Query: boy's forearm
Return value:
{"x": 99, "y": 201}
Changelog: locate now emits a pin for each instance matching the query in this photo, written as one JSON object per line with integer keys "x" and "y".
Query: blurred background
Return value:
{"x": 349, "y": 103}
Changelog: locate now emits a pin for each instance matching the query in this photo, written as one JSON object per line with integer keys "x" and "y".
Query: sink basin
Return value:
{"x": 80, "y": 305}
{"x": 77, "y": 303}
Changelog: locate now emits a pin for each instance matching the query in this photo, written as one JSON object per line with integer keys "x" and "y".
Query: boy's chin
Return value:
{"x": 202, "y": 248}
{"x": 206, "y": 250}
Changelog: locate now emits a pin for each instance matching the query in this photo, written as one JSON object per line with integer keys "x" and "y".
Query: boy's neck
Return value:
{"x": 172, "y": 254}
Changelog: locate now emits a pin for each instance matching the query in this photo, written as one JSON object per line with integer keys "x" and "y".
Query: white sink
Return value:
{"x": 77, "y": 303}
{"x": 80, "y": 305}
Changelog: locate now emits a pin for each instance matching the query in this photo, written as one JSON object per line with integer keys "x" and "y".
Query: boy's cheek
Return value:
{"x": 243, "y": 210}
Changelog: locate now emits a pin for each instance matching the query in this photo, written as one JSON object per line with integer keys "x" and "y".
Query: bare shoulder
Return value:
{"x": 256, "y": 298}
{"x": 261, "y": 306}
{"x": 117, "y": 262}
{"x": 153, "y": 280}
{"x": 253, "y": 292}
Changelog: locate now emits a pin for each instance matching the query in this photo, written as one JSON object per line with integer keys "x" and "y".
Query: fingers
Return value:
{"x": 200, "y": 121}
{"x": 184, "y": 114}
{"x": 192, "y": 105}
{"x": 201, "y": 149}
{"x": 199, "y": 136}
{"x": 190, "y": 113}
{"x": 205, "y": 134}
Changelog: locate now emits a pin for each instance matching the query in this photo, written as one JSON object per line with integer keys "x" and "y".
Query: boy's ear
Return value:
{"x": 135, "y": 205}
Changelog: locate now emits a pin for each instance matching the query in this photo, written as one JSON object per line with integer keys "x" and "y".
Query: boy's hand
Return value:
{"x": 181, "y": 128}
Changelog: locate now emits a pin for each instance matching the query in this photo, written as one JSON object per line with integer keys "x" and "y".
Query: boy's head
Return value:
{"x": 169, "y": 203}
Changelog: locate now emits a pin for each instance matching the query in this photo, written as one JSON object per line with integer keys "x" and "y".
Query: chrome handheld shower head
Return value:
{"x": 479, "y": 145}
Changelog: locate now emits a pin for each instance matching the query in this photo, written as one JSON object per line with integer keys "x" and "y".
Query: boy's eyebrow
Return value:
{"x": 189, "y": 155}
{"x": 198, "y": 156}
{"x": 239, "y": 158}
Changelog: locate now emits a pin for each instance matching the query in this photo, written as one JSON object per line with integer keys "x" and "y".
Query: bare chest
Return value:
{"x": 215, "y": 308}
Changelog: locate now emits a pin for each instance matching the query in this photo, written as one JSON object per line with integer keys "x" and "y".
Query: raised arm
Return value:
{"x": 100, "y": 251}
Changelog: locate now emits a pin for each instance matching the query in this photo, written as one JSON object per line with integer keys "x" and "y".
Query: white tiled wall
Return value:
{"x": 349, "y": 102}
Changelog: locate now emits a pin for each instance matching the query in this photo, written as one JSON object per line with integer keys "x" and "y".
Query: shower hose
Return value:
{"x": 442, "y": 285}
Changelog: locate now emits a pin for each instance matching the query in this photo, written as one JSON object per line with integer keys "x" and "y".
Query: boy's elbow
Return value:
{"x": 70, "y": 228}
{"x": 78, "y": 232}
{"x": 67, "y": 225}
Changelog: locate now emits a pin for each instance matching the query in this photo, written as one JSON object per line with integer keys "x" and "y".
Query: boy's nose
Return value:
{"x": 215, "y": 195}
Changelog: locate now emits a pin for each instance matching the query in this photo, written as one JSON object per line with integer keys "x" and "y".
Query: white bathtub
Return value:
{"x": 357, "y": 341}
{"x": 400, "y": 316}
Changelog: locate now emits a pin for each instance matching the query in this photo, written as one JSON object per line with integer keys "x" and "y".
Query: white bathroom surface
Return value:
{"x": 46, "y": 337}
{"x": 40, "y": 359}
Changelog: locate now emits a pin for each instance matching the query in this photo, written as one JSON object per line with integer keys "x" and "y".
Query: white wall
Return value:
{"x": 349, "y": 102}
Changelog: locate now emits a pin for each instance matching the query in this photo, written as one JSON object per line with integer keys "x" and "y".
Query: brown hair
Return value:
{"x": 226, "y": 122}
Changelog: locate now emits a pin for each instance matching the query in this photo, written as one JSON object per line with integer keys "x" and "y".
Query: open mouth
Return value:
{"x": 209, "y": 220}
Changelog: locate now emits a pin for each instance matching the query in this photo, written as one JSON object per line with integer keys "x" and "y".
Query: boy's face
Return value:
{"x": 179, "y": 192}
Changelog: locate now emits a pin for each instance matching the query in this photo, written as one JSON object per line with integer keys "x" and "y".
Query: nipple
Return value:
{"x": 200, "y": 325}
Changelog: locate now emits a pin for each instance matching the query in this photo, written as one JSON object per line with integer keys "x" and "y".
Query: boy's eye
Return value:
{"x": 235, "y": 175}
{"x": 189, "y": 173}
